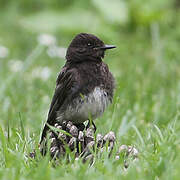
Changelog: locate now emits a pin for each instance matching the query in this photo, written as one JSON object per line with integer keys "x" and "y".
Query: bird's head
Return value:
{"x": 86, "y": 47}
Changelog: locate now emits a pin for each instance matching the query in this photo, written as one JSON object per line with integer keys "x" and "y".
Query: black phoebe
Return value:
{"x": 84, "y": 87}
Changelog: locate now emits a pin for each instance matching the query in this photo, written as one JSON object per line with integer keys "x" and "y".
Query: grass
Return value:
{"x": 145, "y": 112}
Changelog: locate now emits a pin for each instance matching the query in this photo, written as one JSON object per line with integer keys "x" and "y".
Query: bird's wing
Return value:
{"x": 64, "y": 84}
{"x": 67, "y": 85}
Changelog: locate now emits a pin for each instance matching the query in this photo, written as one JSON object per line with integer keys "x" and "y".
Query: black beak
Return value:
{"x": 107, "y": 47}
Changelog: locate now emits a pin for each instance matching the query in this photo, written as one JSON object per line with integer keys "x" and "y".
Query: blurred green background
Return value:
{"x": 34, "y": 36}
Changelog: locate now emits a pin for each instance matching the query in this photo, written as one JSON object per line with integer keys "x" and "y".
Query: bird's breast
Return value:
{"x": 86, "y": 107}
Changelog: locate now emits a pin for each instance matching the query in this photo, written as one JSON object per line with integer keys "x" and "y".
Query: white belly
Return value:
{"x": 86, "y": 107}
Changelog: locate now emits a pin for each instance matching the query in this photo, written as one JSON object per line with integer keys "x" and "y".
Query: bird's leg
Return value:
{"x": 91, "y": 123}
{"x": 80, "y": 126}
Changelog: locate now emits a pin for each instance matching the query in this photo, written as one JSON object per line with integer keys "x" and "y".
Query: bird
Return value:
{"x": 84, "y": 86}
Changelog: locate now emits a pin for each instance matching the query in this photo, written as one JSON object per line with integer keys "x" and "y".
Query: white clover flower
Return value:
{"x": 15, "y": 65}
{"x": 45, "y": 73}
{"x": 46, "y": 99}
{"x": 55, "y": 51}
{"x": 3, "y": 52}
{"x": 46, "y": 39}
{"x": 52, "y": 51}
{"x": 41, "y": 72}
{"x": 61, "y": 53}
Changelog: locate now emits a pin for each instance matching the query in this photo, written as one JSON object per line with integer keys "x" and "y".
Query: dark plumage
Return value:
{"x": 84, "y": 86}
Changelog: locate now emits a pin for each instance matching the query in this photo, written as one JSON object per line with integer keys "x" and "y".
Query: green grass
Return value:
{"x": 145, "y": 112}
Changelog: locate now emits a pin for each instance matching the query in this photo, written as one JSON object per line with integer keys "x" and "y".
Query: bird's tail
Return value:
{"x": 44, "y": 133}
{"x": 42, "y": 142}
